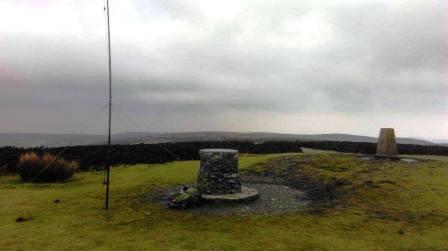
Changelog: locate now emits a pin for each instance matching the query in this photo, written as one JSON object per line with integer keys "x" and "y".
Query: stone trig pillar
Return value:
{"x": 218, "y": 173}
{"x": 387, "y": 145}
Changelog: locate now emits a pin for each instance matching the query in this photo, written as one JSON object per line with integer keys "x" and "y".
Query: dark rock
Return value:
{"x": 22, "y": 219}
{"x": 370, "y": 184}
{"x": 387, "y": 182}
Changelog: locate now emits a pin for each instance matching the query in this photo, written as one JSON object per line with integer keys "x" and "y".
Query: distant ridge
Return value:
{"x": 57, "y": 140}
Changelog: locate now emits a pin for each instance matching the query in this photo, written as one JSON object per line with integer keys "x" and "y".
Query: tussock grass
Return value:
{"x": 46, "y": 168}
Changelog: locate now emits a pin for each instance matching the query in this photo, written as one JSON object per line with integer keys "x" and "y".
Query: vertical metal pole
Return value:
{"x": 106, "y": 206}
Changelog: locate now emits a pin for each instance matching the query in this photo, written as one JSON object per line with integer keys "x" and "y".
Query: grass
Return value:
{"x": 388, "y": 205}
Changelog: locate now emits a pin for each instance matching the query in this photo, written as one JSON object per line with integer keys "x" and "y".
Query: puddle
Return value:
{"x": 408, "y": 160}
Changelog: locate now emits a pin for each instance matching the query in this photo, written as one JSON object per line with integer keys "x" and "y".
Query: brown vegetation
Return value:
{"x": 46, "y": 168}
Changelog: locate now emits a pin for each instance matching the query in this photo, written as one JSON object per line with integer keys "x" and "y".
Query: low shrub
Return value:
{"x": 46, "y": 168}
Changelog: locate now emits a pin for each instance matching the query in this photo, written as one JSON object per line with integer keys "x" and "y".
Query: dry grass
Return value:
{"x": 48, "y": 168}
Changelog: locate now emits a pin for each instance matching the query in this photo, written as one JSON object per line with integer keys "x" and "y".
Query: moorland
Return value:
{"x": 356, "y": 204}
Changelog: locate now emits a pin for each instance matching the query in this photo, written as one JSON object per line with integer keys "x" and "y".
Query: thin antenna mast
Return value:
{"x": 106, "y": 205}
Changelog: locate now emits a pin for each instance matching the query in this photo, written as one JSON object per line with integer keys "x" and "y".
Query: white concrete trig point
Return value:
{"x": 387, "y": 145}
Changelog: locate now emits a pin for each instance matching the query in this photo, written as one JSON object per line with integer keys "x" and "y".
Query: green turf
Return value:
{"x": 405, "y": 208}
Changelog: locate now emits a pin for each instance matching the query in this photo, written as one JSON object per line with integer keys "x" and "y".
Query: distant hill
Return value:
{"x": 262, "y": 136}
{"x": 56, "y": 140}
{"x": 440, "y": 142}
{"x": 37, "y": 139}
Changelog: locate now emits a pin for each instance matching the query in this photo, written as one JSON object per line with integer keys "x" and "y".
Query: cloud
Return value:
{"x": 204, "y": 63}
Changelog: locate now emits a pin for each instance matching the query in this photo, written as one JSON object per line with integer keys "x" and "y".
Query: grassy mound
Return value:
{"x": 405, "y": 192}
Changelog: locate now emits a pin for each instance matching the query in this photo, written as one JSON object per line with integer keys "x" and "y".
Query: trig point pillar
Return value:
{"x": 387, "y": 145}
{"x": 218, "y": 173}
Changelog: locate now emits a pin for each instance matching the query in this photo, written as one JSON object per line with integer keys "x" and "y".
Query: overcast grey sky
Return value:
{"x": 281, "y": 66}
